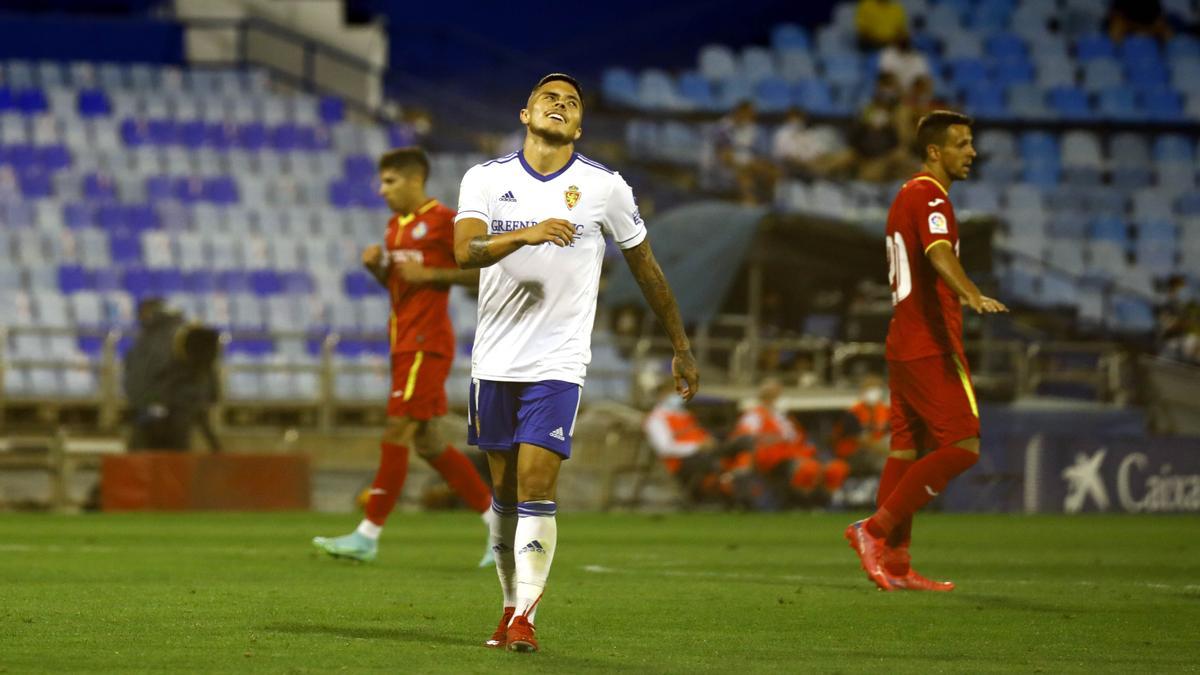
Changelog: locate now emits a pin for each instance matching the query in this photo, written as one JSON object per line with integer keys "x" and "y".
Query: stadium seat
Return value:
{"x": 756, "y": 64}
{"x": 717, "y": 62}
{"x": 1070, "y": 103}
{"x": 789, "y": 37}
{"x": 1094, "y": 46}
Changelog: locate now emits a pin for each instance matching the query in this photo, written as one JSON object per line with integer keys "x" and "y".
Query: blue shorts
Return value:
{"x": 502, "y": 415}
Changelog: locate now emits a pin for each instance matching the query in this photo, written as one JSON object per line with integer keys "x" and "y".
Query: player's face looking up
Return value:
{"x": 956, "y": 153}
{"x": 554, "y": 112}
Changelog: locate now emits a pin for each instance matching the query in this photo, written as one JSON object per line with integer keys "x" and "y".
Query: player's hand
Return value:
{"x": 986, "y": 305}
{"x": 414, "y": 272}
{"x": 372, "y": 256}
{"x": 554, "y": 230}
{"x": 687, "y": 376}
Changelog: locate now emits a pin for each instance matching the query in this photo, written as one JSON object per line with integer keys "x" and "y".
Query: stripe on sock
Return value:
{"x": 540, "y": 508}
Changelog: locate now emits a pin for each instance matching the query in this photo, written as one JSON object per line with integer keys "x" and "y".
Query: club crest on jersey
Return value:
{"x": 572, "y": 195}
{"x": 420, "y": 230}
{"x": 937, "y": 223}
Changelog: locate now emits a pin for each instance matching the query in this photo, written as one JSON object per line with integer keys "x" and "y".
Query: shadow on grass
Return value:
{"x": 426, "y": 636}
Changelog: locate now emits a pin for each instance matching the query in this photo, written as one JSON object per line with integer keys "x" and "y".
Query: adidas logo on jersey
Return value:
{"x": 534, "y": 546}
{"x": 558, "y": 434}
{"x": 508, "y": 197}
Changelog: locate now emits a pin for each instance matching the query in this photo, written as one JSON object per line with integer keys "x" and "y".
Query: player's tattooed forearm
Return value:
{"x": 653, "y": 282}
{"x": 478, "y": 254}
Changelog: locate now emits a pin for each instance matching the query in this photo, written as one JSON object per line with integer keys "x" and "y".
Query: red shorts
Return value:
{"x": 933, "y": 402}
{"x": 418, "y": 385}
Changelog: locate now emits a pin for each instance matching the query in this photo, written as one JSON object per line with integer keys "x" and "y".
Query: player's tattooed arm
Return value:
{"x": 474, "y": 247}
{"x": 657, "y": 291}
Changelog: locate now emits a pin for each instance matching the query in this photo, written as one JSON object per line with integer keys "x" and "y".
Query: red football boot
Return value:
{"x": 869, "y": 549}
{"x": 915, "y": 582}
{"x": 522, "y": 635}
{"x": 498, "y": 639}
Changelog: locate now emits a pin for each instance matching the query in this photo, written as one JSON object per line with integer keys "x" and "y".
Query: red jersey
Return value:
{"x": 420, "y": 318}
{"x": 926, "y": 314}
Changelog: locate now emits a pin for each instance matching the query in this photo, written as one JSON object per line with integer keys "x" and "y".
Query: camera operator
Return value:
{"x": 170, "y": 380}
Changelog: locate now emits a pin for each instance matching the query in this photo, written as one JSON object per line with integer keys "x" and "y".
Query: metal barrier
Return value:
{"x": 1021, "y": 368}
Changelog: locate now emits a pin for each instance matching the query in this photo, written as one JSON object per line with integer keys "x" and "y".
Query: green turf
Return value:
{"x": 685, "y": 594}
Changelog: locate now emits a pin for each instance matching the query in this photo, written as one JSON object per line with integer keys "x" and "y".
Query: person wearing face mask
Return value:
{"x": 876, "y": 152}
{"x": 862, "y": 436}
{"x": 705, "y": 468}
{"x": 782, "y": 452}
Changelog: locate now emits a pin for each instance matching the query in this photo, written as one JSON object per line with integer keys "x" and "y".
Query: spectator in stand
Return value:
{"x": 1137, "y": 17}
{"x": 1179, "y": 322}
{"x": 876, "y": 153}
{"x": 740, "y": 149}
{"x": 904, "y": 62}
{"x": 782, "y": 453}
{"x": 880, "y": 23}
{"x": 919, "y": 100}
{"x": 862, "y": 436}
{"x": 800, "y": 150}
{"x": 705, "y": 468}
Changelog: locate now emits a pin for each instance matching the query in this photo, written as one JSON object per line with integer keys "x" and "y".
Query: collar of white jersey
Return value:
{"x": 550, "y": 176}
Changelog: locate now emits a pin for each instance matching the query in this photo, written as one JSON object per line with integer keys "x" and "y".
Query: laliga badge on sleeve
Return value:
{"x": 572, "y": 195}
{"x": 937, "y": 223}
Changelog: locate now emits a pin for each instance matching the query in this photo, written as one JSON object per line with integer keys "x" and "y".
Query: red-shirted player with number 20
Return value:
{"x": 418, "y": 269}
{"x": 933, "y": 402}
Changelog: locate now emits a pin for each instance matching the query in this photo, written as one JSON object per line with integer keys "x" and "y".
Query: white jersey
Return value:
{"x": 537, "y": 305}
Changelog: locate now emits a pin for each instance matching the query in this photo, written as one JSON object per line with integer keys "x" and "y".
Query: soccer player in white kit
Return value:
{"x": 535, "y": 222}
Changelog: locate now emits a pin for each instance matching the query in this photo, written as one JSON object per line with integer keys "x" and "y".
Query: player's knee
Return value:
{"x": 536, "y": 487}
{"x": 970, "y": 445}
{"x": 427, "y": 443}
{"x": 399, "y": 432}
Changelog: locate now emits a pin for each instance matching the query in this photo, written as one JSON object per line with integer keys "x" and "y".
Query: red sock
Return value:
{"x": 461, "y": 476}
{"x": 921, "y": 483}
{"x": 893, "y": 471}
{"x": 389, "y": 481}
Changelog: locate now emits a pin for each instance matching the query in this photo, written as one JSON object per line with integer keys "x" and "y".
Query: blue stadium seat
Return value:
{"x": 756, "y": 64}
{"x": 1183, "y": 46}
{"x": 698, "y": 91}
{"x": 842, "y": 69}
{"x": 1162, "y": 104}
{"x": 986, "y": 103}
{"x": 1140, "y": 48}
{"x": 717, "y": 62}
{"x": 331, "y": 109}
{"x": 1119, "y": 103}
{"x": 968, "y": 72}
{"x": 772, "y": 95}
{"x": 1102, "y": 73}
{"x": 1132, "y": 314}
{"x": 1070, "y": 103}
{"x": 1147, "y": 73}
{"x": 1110, "y": 228}
{"x": 1173, "y": 147}
{"x": 1094, "y": 46}
{"x": 789, "y": 36}
{"x": 1025, "y": 102}
{"x": 815, "y": 97}
{"x": 1007, "y": 73}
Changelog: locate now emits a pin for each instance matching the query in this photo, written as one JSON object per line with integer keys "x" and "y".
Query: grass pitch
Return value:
{"x": 648, "y": 594}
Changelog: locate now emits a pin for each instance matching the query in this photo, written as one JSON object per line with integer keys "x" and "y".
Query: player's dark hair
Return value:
{"x": 931, "y": 130}
{"x": 559, "y": 77}
{"x": 405, "y": 159}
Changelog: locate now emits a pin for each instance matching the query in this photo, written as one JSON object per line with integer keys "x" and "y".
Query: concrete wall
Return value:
{"x": 320, "y": 20}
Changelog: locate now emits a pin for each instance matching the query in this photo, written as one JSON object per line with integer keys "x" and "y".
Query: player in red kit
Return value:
{"x": 933, "y": 403}
{"x": 418, "y": 269}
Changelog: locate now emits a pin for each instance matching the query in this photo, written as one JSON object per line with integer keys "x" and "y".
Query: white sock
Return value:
{"x": 369, "y": 530}
{"x": 502, "y": 529}
{"x": 537, "y": 537}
